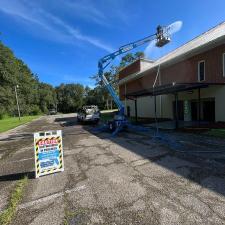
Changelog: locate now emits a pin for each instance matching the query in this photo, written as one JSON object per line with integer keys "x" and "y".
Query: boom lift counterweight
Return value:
{"x": 162, "y": 37}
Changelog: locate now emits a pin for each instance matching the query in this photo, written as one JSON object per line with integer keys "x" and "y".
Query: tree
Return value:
{"x": 112, "y": 76}
{"x": 129, "y": 58}
{"x": 34, "y": 96}
{"x": 95, "y": 97}
{"x": 47, "y": 97}
{"x": 70, "y": 97}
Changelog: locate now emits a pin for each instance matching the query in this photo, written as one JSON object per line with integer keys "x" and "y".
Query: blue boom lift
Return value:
{"x": 162, "y": 37}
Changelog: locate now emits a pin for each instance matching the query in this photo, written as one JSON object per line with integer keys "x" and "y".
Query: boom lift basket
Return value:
{"x": 162, "y": 36}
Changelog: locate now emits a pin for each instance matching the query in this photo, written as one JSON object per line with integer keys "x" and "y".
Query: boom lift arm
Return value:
{"x": 162, "y": 38}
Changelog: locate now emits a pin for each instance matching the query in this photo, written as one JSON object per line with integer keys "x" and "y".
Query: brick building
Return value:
{"x": 190, "y": 82}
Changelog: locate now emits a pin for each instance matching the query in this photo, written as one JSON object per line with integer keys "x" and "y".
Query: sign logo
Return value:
{"x": 48, "y": 152}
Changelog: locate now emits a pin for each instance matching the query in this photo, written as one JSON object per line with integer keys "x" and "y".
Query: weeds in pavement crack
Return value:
{"x": 71, "y": 214}
{"x": 7, "y": 215}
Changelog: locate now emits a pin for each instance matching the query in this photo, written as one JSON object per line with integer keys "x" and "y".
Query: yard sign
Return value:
{"x": 48, "y": 152}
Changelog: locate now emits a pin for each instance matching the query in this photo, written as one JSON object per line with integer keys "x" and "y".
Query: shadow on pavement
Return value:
{"x": 14, "y": 137}
{"x": 71, "y": 121}
{"x": 17, "y": 176}
{"x": 201, "y": 163}
{"x": 66, "y": 121}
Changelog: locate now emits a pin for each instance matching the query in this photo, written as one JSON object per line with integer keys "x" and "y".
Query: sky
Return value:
{"x": 62, "y": 40}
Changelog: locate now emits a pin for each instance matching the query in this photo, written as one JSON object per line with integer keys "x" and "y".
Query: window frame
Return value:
{"x": 199, "y": 62}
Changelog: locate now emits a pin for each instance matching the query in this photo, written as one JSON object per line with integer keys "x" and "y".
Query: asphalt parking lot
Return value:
{"x": 130, "y": 179}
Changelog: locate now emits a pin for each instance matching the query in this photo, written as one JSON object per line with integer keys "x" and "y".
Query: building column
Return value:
{"x": 176, "y": 111}
{"x": 187, "y": 111}
{"x": 156, "y": 119}
{"x": 125, "y": 90}
{"x": 155, "y": 109}
{"x": 199, "y": 106}
{"x": 136, "y": 115}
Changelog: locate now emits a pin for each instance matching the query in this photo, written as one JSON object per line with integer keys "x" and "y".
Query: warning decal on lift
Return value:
{"x": 48, "y": 152}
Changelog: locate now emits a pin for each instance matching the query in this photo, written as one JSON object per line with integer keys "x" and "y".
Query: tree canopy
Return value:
{"x": 104, "y": 98}
{"x": 70, "y": 97}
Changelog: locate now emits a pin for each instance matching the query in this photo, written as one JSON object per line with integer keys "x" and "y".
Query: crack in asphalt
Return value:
{"x": 94, "y": 156}
{"x": 50, "y": 197}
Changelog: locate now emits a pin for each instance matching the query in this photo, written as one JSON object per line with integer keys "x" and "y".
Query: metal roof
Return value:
{"x": 170, "y": 89}
{"x": 203, "y": 42}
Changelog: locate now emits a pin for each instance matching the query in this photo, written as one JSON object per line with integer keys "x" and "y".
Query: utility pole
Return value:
{"x": 17, "y": 102}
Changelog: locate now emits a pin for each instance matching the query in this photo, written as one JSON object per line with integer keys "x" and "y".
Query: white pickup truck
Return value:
{"x": 88, "y": 113}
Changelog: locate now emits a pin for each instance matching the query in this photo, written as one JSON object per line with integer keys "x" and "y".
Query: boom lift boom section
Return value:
{"x": 162, "y": 37}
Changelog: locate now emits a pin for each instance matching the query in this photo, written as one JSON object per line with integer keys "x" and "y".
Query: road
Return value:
{"x": 131, "y": 179}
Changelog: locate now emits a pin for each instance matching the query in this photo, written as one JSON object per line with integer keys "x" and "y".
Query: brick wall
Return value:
{"x": 130, "y": 69}
{"x": 185, "y": 71}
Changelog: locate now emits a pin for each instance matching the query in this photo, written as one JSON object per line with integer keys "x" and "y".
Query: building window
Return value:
{"x": 201, "y": 70}
{"x": 224, "y": 64}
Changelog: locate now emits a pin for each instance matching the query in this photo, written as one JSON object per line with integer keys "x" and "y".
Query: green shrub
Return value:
{"x": 3, "y": 114}
{"x": 35, "y": 110}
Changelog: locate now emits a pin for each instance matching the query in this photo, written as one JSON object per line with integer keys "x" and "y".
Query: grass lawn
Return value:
{"x": 12, "y": 122}
{"x": 217, "y": 133}
{"x": 107, "y": 115}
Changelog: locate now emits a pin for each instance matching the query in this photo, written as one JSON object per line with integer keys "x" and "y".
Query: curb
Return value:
{"x": 20, "y": 126}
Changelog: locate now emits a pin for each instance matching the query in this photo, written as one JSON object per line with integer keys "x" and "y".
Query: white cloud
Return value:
{"x": 59, "y": 29}
{"x": 106, "y": 13}
{"x": 78, "y": 35}
{"x": 87, "y": 11}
